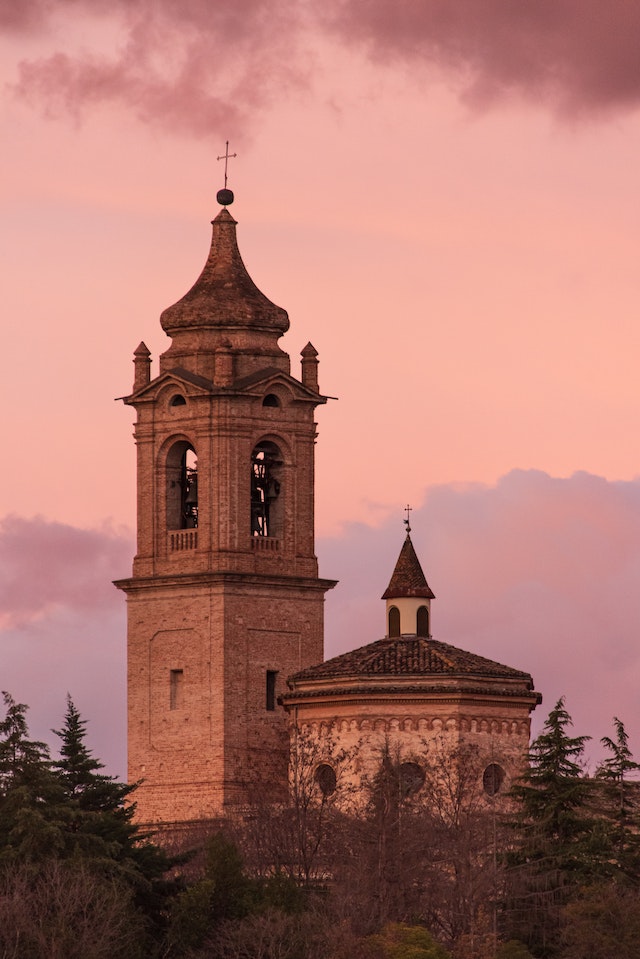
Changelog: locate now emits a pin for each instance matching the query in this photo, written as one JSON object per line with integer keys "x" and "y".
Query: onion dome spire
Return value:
{"x": 224, "y": 296}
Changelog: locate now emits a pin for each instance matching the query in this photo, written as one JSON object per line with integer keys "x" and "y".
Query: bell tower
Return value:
{"x": 224, "y": 601}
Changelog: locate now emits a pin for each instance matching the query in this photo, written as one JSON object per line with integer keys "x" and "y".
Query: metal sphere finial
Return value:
{"x": 225, "y": 197}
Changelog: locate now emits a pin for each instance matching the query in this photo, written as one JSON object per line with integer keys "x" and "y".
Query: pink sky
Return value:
{"x": 445, "y": 201}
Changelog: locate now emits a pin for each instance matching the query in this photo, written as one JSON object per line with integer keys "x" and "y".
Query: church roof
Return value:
{"x": 408, "y": 578}
{"x": 224, "y": 295}
{"x": 408, "y": 656}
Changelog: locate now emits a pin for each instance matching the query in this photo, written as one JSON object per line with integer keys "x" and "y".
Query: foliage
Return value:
{"x": 424, "y": 853}
{"x": 553, "y": 834}
{"x": 67, "y": 811}
{"x": 416, "y": 862}
{"x": 603, "y": 922}
{"x": 227, "y": 895}
{"x": 64, "y": 910}
{"x": 301, "y": 837}
{"x": 512, "y": 950}
{"x": 31, "y": 797}
{"x": 618, "y": 805}
{"x": 275, "y": 935}
{"x": 401, "y": 941}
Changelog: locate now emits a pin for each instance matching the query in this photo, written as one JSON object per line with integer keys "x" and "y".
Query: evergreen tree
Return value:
{"x": 619, "y": 804}
{"x": 68, "y": 811}
{"x": 100, "y": 815}
{"x": 31, "y": 799}
{"x": 559, "y": 844}
{"x": 99, "y": 821}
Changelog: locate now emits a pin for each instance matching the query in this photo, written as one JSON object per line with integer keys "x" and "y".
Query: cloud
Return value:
{"x": 28, "y": 16}
{"x": 47, "y": 566}
{"x": 194, "y": 66}
{"x": 63, "y": 629}
{"x": 536, "y": 572}
{"x": 576, "y": 56}
{"x": 190, "y": 67}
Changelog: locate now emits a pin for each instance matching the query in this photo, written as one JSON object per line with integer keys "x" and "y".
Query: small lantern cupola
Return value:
{"x": 408, "y": 596}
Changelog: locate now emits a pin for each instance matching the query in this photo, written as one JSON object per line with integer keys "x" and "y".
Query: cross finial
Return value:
{"x": 408, "y": 509}
{"x": 226, "y": 156}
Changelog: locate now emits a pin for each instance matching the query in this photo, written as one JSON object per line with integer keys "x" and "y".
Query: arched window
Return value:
{"x": 182, "y": 487}
{"x": 394, "y": 621}
{"x": 271, "y": 400}
{"x": 422, "y": 621}
{"x": 325, "y": 777}
{"x": 266, "y": 486}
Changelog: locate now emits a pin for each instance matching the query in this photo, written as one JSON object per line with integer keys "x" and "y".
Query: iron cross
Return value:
{"x": 226, "y": 156}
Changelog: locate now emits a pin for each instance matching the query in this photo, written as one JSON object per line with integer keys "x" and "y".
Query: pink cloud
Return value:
{"x": 46, "y": 566}
{"x": 190, "y": 67}
{"x": 194, "y": 67}
{"x": 24, "y": 17}
{"x": 63, "y": 629}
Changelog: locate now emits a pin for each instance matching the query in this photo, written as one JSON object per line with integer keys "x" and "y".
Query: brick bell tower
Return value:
{"x": 224, "y": 601}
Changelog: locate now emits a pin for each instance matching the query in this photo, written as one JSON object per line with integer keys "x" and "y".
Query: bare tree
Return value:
{"x": 64, "y": 910}
{"x": 425, "y": 847}
{"x": 299, "y": 837}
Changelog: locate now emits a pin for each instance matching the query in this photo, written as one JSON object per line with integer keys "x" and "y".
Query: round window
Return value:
{"x": 411, "y": 778}
{"x": 492, "y": 779}
{"x": 325, "y": 776}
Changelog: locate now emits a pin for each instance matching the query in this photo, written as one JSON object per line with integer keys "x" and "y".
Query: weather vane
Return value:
{"x": 225, "y": 197}
{"x": 408, "y": 509}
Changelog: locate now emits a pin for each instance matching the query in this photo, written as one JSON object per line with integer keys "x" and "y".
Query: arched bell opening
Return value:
{"x": 182, "y": 487}
{"x": 394, "y": 621}
{"x": 267, "y": 507}
{"x": 422, "y": 621}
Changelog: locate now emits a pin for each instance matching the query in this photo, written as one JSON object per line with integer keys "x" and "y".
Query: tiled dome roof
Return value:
{"x": 409, "y": 656}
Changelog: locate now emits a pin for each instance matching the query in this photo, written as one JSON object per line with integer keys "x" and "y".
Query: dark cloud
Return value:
{"x": 537, "y": 572}
{"x": 27, "y": 16}
{"x": 575, "y": 55}
{"x": 194, "y": 67}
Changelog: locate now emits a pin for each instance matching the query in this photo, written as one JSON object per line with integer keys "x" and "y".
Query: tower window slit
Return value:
{"x": 271, "y": 690}
{"x": 176, "y": 688}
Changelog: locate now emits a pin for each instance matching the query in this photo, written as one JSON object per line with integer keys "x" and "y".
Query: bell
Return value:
{"x": 191, "y": 499}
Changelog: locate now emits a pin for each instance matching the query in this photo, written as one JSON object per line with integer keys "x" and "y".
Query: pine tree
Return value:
{"x": 558, "y": 841}
{"x": 619, "y": 803}
{"x": 31, "y": 799}
{"x": 100, "y": 812}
